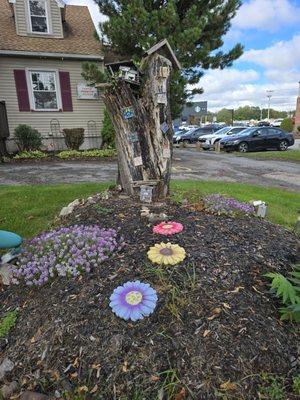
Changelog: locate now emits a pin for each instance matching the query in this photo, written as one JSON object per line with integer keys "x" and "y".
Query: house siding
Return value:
{"x": 23, "y": 25}
{"x": 83, "y": 110}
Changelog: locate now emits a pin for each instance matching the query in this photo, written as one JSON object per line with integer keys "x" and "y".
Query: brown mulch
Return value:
{"x": 215, "y": 330}
{"x": 55, "y": 159}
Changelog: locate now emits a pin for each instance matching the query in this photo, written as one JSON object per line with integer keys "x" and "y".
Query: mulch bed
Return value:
{"x": 56, "y": 159}
{"x": 215, "y": 320}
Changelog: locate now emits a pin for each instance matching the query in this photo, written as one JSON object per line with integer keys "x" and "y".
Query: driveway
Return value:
{"x": 188, "y": 164}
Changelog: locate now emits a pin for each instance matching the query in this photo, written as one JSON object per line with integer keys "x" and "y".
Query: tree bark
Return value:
{"x": 144, "y": 150}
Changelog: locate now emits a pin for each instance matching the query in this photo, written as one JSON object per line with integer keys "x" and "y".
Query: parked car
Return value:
{"x": 193, "y": 135}
{"x": 258, "y": 139}
{"x": 263, "y": 123}
{"x": 178, "y": 133}
{"x": 277, "y": 122}
{"x": 208, "y": 141}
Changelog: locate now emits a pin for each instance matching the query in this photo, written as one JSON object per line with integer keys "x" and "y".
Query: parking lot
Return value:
{"x": 188, "y": 164}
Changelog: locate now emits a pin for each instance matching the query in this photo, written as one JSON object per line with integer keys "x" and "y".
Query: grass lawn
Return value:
{"x": 289, "y": 155}
{"x": 28, "y": 210}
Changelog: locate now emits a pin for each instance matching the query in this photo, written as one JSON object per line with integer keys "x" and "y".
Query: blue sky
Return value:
{"x": 270, "y": 33}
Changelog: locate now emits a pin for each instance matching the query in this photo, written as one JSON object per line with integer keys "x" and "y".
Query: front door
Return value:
{"x": 258, "y": 139}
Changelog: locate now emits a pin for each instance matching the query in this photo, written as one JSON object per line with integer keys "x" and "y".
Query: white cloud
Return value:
{"x": 94, "y": 10}
{"x": 267, "y": 15}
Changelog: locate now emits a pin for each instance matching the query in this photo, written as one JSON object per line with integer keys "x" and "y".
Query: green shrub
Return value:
{"x": 108, "y": 132}
{"x": 288, "y": 290}
{"x": 273, "y": 388}
{"x": 74, "y": 138}
{"x": 287, "y": 125}
{"x": 27, "y": 138}
{"x": 296, "y": 384}
{"x": 298, "y": 128}
{"x": 37, "y": 154}
{"x": 8, "y": 322}
{"x": 86, "y": 153}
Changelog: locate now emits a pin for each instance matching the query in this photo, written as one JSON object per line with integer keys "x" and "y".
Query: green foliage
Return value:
{"x": 298, "y": 128}
{"x": 92, "y": 73}
{"x": 287, "y": 125}
{"x": 35, "y": 154}
{"x": 86, "y": 153}
{"x": 195, "y": 30}
{"x": 224, "y": 115}
{"x": 287, "y": 289}
{"x": 8, "y": 322}
{"x": 74, "y": 138}
{"x": 274, "y": 389}
{"x": 27, "y": 138}
{"x": 296, "y": 384}
{"x": 108, "y": 132}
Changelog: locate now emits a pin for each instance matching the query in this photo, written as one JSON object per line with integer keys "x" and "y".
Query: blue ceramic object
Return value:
{"x": 9, "y": 240}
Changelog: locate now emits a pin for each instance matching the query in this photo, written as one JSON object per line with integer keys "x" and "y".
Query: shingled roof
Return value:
{"x": 78, "y": 36}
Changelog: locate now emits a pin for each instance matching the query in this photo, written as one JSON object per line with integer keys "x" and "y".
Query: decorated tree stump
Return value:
{"x": 140, "y": 113}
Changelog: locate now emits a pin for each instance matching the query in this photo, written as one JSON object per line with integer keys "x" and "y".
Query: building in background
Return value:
{"x": 42, "y": 47}
{"x": 192, "y": 114}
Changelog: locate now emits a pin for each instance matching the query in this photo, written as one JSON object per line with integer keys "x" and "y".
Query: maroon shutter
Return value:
{"x": 22, "y": 90}
{"x": 66, "y": 94}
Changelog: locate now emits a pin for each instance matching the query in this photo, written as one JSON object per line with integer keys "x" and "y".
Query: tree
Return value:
{"x": 287, "y": 125}
{"x": 194, "y": 29}
{"x": 224, "y": 115}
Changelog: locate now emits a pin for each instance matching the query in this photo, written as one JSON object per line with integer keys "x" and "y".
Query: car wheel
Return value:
{"x": 243, "y": 147}
{"x": 186, "y": 141}
{"x": 283, "y": 145}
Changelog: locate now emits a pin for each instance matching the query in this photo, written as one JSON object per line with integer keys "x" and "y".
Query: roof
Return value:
{"x": 163, "y": 47}
{"x": 79, "y": 36}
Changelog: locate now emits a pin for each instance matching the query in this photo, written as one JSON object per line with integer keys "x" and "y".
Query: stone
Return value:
{"x": 8, "y": 390}
{"x": 74, "y": 203}
{"x": 33, "y": 396}
{"x": 66, "y": 211}
{"x": 6, "y": 366}
{"x": 5, "y": 274}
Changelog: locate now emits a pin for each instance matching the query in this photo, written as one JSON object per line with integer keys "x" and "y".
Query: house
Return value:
{"x": 43, "y": 44}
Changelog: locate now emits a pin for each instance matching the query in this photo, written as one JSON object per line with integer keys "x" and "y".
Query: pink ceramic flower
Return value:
{"x": 168, "y": 228}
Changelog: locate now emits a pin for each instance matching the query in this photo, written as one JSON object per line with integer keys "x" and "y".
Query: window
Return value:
{"x": 44, "y": 90}
{"x": 38, "y": 16}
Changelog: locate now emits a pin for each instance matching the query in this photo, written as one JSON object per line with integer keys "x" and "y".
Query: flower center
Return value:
{"x": 133, "y": 298}
{"x": 167, "y": 226}
{"x": 166, "y": 251}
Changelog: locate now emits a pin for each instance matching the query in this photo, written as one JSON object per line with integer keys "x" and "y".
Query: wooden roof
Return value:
{"x": 163, "y": 47}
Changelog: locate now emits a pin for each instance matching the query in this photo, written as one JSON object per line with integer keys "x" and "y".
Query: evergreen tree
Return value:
{"x": 194, "y": 28}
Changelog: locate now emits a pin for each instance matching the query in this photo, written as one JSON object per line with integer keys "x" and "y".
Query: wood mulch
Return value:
{"x": 215, "y": 330}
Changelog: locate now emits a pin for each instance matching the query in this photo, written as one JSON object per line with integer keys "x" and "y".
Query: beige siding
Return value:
{"x": 83, "y": 110}
{"x": 22, "y": 19}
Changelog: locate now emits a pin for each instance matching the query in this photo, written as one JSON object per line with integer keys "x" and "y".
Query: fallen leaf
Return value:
{"x": 83, "y": 389}
{"x": 154, "y": 378}
{"x": 228, "y": 386}
{"x": 216, "y": 312}
{"x": 237, "y": 289}
{"x": 74, "y": 375}
{"x": 181, "y": 394}
{"x": 124, "y": 368}
{"x": 94, "y": 390}
{"x": 225, "y": 305}
{"x": 206, "y": 332}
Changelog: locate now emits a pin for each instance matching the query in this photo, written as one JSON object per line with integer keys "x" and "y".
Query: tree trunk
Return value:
{"x": 144, "y": 150}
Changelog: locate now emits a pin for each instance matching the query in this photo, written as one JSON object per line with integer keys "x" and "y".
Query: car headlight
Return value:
{"x": 232, "y": 142}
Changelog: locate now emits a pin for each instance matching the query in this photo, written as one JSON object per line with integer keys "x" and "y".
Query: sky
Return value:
{"x": 269, "y": 30}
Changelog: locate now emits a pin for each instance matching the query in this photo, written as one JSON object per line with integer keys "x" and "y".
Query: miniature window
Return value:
{"x": 44, "y": 90}
{"x": 38, "y": 16}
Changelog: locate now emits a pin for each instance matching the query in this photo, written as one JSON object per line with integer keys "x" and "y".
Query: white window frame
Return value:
{"x": 29, "y": 72}
{"x": 47, "y": 19}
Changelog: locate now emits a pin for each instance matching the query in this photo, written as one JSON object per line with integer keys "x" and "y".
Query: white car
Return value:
{"x": 208, "y": 141}
{"x": 277, "y": 122}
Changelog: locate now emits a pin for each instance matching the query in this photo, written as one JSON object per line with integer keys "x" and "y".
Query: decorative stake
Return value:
{"x": 146, "y": 194}
{"x": 128, "y": 112}
{"x": 164, "y": 127}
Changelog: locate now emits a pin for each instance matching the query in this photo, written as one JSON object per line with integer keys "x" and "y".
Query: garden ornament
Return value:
{"x": 9, "y": 240}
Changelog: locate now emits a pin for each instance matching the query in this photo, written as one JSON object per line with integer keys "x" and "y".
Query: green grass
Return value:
{"x": 28, "y": 210}
{"x": 289, "y": 155}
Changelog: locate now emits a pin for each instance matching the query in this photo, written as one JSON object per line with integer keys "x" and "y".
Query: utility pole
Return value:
{"x": 269, "y": 95}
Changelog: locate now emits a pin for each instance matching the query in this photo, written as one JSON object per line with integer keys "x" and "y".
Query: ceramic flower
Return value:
{"x": 166, "y": 253}
{"x": 168, "y": 228}
{"x": 133, "y": 300}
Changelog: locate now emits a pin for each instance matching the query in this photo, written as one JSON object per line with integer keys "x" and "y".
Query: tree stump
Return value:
{"x": 143, "y": 125}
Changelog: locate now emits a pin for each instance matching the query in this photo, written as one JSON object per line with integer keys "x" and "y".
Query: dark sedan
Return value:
{"x": 193, "y": 135}
{"x": 253, "y": 139}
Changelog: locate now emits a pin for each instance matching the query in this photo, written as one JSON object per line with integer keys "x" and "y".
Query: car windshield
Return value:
{"x": 246, "y": 131}
{"x": 235, "y": 131}
{"x": 178, "y": 133}
{"x": 223, "y": 130}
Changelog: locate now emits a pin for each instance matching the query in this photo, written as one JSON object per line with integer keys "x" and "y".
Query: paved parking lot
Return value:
{"x": 188, "y": 164}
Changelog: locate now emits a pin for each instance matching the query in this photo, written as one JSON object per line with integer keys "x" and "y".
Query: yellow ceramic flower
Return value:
{"x": 166, "y": 253}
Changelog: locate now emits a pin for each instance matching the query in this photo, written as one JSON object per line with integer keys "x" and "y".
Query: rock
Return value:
{"x": 116, "y": 343}
{"x": 66, "y": 211}
{"x": 6, "y": 366}
{"x": 9, "y": 389}
{"x": 74, "y": 203}
{"x": 5, "y": 274}
{"x": 33, "y": 396}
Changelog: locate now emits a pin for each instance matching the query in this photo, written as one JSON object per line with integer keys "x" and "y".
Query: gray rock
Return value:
{"x": 74, "y": 203}
{"x": 33, "y": 396}
{"x": 9, "y": 389}
{"x": 6, "y": 366}
{"x": 5, "y": 274}
{"x": 66, "y": 211}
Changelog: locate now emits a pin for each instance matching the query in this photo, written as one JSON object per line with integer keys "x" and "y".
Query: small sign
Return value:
{"x": 146, "y": 194}
{"x": 85, "y": 92}
{"x": 164, "y": 72}
{"x": 164, "y": 127}
{"x": 162, "y": 98}
{"x": 138, "y": 161}
{"x": 133, "y": 137}
{"x": 128, "y": 112}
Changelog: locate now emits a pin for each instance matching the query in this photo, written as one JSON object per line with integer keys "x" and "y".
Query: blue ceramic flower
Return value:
{"x": 133, "y": 300}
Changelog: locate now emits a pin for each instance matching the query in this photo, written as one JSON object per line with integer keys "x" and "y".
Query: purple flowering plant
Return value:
{"x": 218, "y": 204}
{"x": 133, "y": 300}
{"x": 67, "y": 251}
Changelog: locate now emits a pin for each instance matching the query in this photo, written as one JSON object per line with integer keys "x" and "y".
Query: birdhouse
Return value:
{"x": 163, "y": 48}
{"x": 125, "y": 70}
